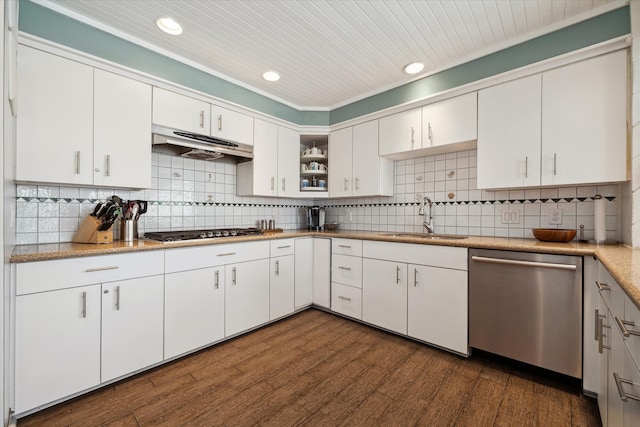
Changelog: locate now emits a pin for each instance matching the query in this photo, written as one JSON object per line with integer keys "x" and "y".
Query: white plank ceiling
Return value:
{"x": 328, "y": 52}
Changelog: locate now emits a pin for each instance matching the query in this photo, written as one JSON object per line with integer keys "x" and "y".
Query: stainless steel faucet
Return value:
{"x": 428, "y": 220}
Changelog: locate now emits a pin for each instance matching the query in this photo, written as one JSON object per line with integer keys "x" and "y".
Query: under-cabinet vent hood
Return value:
{"x": 196, "y": 146}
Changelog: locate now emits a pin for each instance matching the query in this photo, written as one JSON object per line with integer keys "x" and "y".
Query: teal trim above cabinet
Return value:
{"x": 48, "y": 24}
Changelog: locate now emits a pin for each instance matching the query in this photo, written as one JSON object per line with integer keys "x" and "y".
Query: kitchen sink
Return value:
{"x": 433, "y": 236}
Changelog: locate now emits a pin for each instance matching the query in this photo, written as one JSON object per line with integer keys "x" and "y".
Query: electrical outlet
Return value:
{"x": 511, "y": 216}
{"x": 555, "y": 215}
{"x": 418, "y": 197}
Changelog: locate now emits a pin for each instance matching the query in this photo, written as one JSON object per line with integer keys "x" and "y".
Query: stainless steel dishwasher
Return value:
{"x": 527, "y": 307}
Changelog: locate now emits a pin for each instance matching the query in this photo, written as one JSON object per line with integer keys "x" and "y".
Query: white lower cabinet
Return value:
{"x": 426, "y": 302}
{"x": 57, "y": 345}
{"x": 194, "y": 310}
{"x": 246, "y": 295}
{"x": 132, "y": 325}
{"x": 346, "y": 277}
{"x": 346, "y": 300}
{"x": 281, "y": 287}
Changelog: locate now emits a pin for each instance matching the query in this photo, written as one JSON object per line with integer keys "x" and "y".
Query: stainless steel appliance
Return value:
{"x": 176, "y": 236}
{"x": 315, "y": 218}
{"x": 527, "y": 307}
{"x": 196, "y": 146}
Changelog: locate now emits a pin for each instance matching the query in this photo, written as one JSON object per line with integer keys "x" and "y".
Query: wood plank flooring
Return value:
{"x": 317, "y": 369}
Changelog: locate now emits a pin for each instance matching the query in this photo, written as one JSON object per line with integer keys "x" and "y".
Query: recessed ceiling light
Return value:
{"x": 413, "y": 68}
{"x": 169, "y": 25}
{"x": 271, "y": 76}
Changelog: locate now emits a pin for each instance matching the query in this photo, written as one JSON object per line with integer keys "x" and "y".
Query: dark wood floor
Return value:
{"x": 318, "y": 369}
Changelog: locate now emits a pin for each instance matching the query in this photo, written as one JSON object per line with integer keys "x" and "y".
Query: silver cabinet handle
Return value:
{"x": 357, "y": 183}
{"x": 77, "y": 162}
{"x": 93, "y": 270}
{"x": 412, "y": 136}
{"x": 415, "y": 277}
{"x": 233, "y": 276}
{"x": 219, "y": 122}
{"x": 284, "y": 247}
{"x": 622, "y": 325}
{"x": 84, "y": 305}
{"x": 601, "y": 327}
{"x": 344, "y": 298}
{"x": 524, "y": 263}
{"x": 226, "y": 254}
{"x": 345, "y": 183}
{"x": 201, "y": 118}
{"x": 344, "y": 246}
{"x": 273, "y": 183}
{"x": 216, "y": 283}
{"x": 555, "y": 163}
{"x": 344, "y": 268}
{"x": 277, "y": 268}
{"x": 526, "y": 167}
{"x": 430, "y": 135}
{"x": 596, "y": 326}
{"x": 107, "y": 172}
{"x": 284, "y": 185}
{"x": 624, "y": 396}
{"x": 118, "y": 298}
{"x": 397, "y": 274}
{"x": 603, "y": 286}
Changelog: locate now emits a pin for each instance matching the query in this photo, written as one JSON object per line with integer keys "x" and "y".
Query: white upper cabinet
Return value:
{"x": 566, "y": 126}
{"x": 55, "y": 120}
{"x": 288, "y": 162}
{"x": 401, "y": 132}
{"x": 181, "y": 112}
{"x": 584, "y": 121}
{"x": 451, "y": 121}
{"x": 121, "y": 131}
{"x": 231, "y": 125}
{"x": 356, "y": 168}
{"x": 509, "y": 130}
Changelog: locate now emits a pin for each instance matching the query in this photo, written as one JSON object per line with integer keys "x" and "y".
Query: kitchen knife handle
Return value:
{"x": 84, "y": 305}
{"x": 118, "y": 298}
{"x": 217, "y": 279}
{"x": 233, "y": 276}
{"x": 77, "y": 162}
{"x": 107, "y": 172}
{"x": 202, "y": 118}
{"x": 277, "y": 267}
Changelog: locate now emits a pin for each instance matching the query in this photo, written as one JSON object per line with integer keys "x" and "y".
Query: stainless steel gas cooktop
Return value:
{"x": 176, "y": 236}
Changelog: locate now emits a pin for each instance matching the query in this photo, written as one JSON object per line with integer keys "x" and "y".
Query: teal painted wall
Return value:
{"x": 50, "y": 25}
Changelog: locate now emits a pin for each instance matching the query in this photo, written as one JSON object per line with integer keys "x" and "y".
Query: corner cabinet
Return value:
{"x": 356, "y": 169}
{"x": 82, "y": 126}
{"x": 565, "y": 126}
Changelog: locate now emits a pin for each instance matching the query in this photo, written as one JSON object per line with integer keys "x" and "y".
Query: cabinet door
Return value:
{"x": 246, "y": 295}
{"x": 631, "y": 408}
{"x": 372, "y": 175}
{"x": 194, "y": 310}
{"x": 450, "y": 121}
{"x": 304, "y": 268}
{"x": 181, "y": 112}
{"x": 340, "y": 163}
{"x": 384, "y": 294}
{"x": 231, "y": 125}
{"x": 322, "y": 272}
{"x": 616, "y": 365}
{"x": 132, "y": 325}
{"x": 438, "y": 307}
{"x": 264, "y": 173}
{"x": 57, "y": 345}
{"x": 584, "y": 116}
{"x": 604, "y": 342}
{"x": 121, "y": 132}
{"x": 401, "y": 132}
{"x": 509, "y": 132}
{"x": 281, "y": 287}
{"x": 55, "y": 123}
{"x": 288, "y": 162}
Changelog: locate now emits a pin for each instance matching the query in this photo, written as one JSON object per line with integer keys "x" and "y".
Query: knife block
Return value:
{"x": 88, "y": 232}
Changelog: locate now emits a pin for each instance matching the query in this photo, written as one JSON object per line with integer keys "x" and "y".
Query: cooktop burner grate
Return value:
{"x": 176, "y": 236}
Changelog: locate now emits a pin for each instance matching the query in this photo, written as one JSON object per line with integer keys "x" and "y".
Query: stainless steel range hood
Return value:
{"x": 197, "y": 146}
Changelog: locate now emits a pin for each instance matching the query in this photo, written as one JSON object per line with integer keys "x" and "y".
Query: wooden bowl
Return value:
{"x": 331, "y": 226}
{"x": 553, "y": 234}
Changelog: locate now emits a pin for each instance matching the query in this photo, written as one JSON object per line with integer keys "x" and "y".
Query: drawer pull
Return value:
{"x": 415, "y": 277}
{"x": 233, "y": 276}
{"x": 93, "y": 270}
{"x": 603, "y": 286}
{"x": 344, "y": 246}
{"x": 624, "y": 396}
{"x": 344, "y": 298}
{"x": 227, "y": 254}
{"x": 622, "y": 325}
{"x": 217, "y": 279}
{"x": 284, "y": 247}
{"x": 344, "y": 268}
{"x": 277, "y": 268}
{"x": 397, "y": 274}
{"x": 601, "y": 327}
{"x": 84, "y": 305}
{"x": 118, "y": 298}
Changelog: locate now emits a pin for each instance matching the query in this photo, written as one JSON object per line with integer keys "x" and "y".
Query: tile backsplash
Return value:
{"x": 192, "y": 194}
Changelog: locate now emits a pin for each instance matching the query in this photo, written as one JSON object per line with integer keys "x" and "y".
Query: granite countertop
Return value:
{"x": 622, "y": 262}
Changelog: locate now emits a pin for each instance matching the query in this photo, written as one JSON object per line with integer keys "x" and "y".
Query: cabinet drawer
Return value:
{"x": 67, "y": 273}
{"x": 611, "y": 292}
{"x": 210, "y": 256}
{"x": 346, "y": 247}
{"x": 632, "y": 315}
{"x": 282, "y": 247}
{"x": 431, "y": 255}
{"x": 346, "y": 270}
{"x": 346, "y": 300}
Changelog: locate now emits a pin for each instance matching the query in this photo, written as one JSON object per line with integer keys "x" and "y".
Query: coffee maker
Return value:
{"x": 315, "y": 218}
